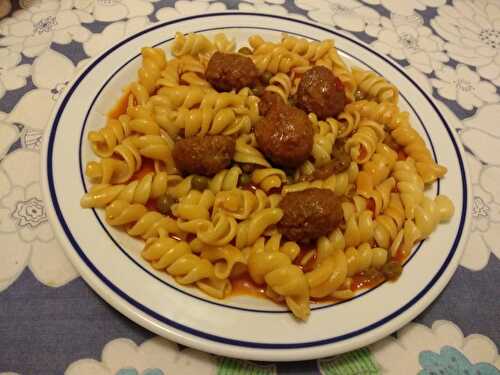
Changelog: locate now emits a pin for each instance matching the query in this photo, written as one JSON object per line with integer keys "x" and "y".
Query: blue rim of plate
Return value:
{"x": 185, "y": 292}
{"x": 208, "y": 336}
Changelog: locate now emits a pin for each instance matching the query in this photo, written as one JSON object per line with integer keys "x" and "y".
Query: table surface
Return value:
{"x": 51, "y": 322}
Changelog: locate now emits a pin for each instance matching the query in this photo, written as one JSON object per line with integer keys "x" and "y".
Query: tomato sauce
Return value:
{"x": 401, "y": 154}
{"x": 304, "y": 250}
{"x": 400, "y": 256}
{"x": 121, "y": 106}
{"x": 148, "y": 166}
{"x": 244, "y": 285}
{"x": 370, "y": 204}
{"x": 366, "y": 280}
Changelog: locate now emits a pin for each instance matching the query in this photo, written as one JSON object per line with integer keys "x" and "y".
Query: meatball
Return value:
{"x": 228, "y": 71}
{"x": 310, "y": 214}
{"x": 321, "y": 92}
{"x": 269, "y": 100}
{"x": 205, "y": 155}
{"x": 285, "y": 136}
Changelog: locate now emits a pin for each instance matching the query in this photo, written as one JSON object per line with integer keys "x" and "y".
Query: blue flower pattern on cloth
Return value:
{"x": 450, "y": 361}
{"x": 133, "y": 371}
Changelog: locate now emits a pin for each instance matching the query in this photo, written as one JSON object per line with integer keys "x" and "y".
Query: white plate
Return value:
{"x": 242, "y": 327}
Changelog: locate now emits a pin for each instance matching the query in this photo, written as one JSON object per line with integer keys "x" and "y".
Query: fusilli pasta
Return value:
{"x": 230, "y": 221}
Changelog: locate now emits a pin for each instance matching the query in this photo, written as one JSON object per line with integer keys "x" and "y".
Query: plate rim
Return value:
{"x": 127, "y": 306}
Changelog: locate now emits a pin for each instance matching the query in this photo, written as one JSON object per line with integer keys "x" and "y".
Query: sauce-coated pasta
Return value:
{"x": 234, "y": 223}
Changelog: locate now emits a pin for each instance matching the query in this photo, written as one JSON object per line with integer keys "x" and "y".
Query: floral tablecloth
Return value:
{"x": 52, "y": 323}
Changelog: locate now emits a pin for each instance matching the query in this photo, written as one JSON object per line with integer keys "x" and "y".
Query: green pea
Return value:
{"x": 258, "y": 90}
{"x": 266, "y": 77}
{"x": 358, "y": 95}
{"x": 245, "y": 179}
{"x": 199, "y": 183}
{"x": 164, "y": 204}
{"x": 392, "y": 270}
{"x": 248, "y": 167}
{"x": 245, "y": 51}
{"x": 290, "y": 180}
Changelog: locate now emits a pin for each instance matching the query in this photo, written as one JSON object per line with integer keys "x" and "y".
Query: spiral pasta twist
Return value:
{"x": 340, "y": 183}
{"x": 431, "y": 212}
{"x": 325, "y": 134}
{"x": 260, "y": 46}
{"x": 273, "y": 244}
{"x": 376, "y": 170}
{"x": 104, "y": 140}
{"x": 287, "y": 280}
{"x": 223, "y": 44}
{"x": 151, "y": 186}
{"x": 385, "y": 113}
{"x": 227, "y": 179}
{"x": 138, "y": 221}
{"x": 409, "y": 184}
{"x": 194, "y": 205}
{"x": 428, "y": 214}
{"x": 173, "y": 98}
{"x": 328, "y": 274}
{"x": 206, "y": 121}
{"x": 251, "y": 105}
{"x": 398, "y": 123}
{"x": 312, "y": 51}
{"x": 137, "y": 94}
{"x": 364, "y": 257}
{"x": 359, "y": 226}
{"x": 362, "y": 144}
{"x": 277, "y": 60}
{"x": 380, "y": 196}
{"x": 118, "y": 171}
{"x": 190, "y": 44}
{"x": 268, "y": 178}
{"x": 280, "y": 84}
{"x": 253, "y": 227}
{"x": 169, "y": 77}
{"x": 155, "y": 147}
{"x": 181, "y": 188}
{"x": 224, "y": 259}
{"x": 390, "y": 222}
{"x": 107, "y": 170}
{"x": 193, "y": 79}
{"x": 325, "y": 127}
{"x": 415, "y": 147}
{"x": 153, "y": 62}
{"x": 185, "y": 69}
{"x": 346, "y": 123}
{"x": 246, "y": 151}
{"x": 240, "y": 204}
{"x": 405, "y": 239}
{"x": 375, "y": 87}
{"x": 175, "y": 258}
{"x": 218, "y": 231}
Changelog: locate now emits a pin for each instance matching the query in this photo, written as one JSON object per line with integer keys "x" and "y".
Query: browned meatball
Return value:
{"x": 228, "y": 71}
{"x": 309, "y": 214}
{"x": 269, "y": 100}
{"x": 321, "y": 92}
{"x": 205, "y": 155}
{"x": 285, "y": 136}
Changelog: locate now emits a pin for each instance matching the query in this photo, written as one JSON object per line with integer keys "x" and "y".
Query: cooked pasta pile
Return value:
{"x": 208, "y": 231}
